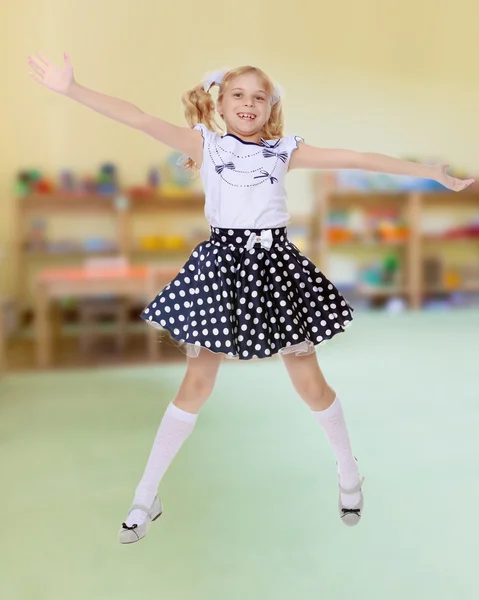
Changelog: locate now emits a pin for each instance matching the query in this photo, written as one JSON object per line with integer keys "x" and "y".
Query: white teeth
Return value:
{"x": 243, "y": 116}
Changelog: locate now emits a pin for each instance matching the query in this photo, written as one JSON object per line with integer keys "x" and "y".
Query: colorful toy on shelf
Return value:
{"x": 32, "y": 181}
{"x": 339, "y": 235}
{"x": 150, "y": 243}
{"x": 170, "y": 242}
{"x": 96, "y": 244}
{"x": 107, "y": 180}
{"x": 390, "y": 268}
{"x": 451, "y": 278}
{"x": 382, "y": 273}
{"x": 338, "y": 227}
{"x": 154, "y": 178}
{"x": 392, "y": 231}
{"x": 385, "y": 224}
{"x": 382, "y": 223}
{"x": 67, "y": 181}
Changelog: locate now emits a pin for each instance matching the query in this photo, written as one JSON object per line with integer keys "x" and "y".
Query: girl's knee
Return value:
{"x": 200, "y": 384}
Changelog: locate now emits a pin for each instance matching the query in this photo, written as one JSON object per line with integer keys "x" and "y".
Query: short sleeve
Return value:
{"x": 291, "y": 144}
{"x": 205, "y": 132}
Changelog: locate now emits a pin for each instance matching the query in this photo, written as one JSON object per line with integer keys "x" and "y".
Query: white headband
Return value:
{"x": 218, "y": 76}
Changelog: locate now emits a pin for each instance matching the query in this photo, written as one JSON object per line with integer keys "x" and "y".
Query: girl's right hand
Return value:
{"x": 57, "y": 79}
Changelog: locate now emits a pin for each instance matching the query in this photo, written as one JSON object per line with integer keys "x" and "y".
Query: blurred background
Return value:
{"x": 95, "y": 218}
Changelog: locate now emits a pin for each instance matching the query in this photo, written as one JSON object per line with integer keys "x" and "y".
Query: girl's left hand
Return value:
{"x": 452, "y": 183}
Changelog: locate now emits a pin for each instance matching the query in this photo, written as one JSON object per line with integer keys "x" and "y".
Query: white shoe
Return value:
{"x": 134, "y": 533}
{"x": 351, "y": 516}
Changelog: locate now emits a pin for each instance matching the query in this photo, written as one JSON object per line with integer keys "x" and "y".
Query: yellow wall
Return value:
{"x": 383, "y": 76}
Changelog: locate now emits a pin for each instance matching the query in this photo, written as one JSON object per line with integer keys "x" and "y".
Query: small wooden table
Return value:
{"x": 133, "y": 282}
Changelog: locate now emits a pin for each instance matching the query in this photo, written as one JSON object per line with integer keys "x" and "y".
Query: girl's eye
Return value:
{"x": 236, "y": 94}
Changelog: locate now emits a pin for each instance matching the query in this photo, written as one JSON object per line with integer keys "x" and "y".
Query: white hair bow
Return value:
{"x": 278, "y": 93}
{"x": 214, "y": 77}
{"x": 217, "y": 77}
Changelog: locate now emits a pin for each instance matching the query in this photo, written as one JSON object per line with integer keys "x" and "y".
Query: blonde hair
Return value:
{"x": 200, "y": 107}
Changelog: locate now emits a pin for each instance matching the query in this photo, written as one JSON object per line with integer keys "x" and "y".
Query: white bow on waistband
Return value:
{"x": 266, "y": 239}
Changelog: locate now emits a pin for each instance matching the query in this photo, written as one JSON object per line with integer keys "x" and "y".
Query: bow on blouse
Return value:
{"x": 220, "y": 168}
{"x": 266, "y": 239}
{"x": 268, "y": 153}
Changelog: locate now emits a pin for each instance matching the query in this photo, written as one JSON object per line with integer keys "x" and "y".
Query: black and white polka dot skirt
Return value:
{"x": 249, "y": 293}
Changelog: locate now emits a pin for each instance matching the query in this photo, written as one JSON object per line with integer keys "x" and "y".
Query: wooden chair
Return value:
{"x": 93, "y": 310}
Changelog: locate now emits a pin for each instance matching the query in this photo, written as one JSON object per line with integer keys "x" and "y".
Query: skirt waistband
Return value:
{"x": 247, "y": 238}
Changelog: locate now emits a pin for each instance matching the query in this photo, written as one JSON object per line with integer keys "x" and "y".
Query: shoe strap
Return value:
{"x": 140, "y": 507}
{"x": 355, "y": 490}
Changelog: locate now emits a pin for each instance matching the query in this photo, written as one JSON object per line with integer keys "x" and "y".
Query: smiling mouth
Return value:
{"x": 247, "y": 116}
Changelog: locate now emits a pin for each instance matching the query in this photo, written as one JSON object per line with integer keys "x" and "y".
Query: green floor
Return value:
{"x": 250, "y": 502}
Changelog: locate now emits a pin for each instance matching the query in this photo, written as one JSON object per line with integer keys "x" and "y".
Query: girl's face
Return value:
{"x": 245, "y": 106}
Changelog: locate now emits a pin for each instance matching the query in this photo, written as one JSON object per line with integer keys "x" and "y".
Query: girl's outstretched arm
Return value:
{"x": 62, "y": 81}
{"x": 311, "y": 157}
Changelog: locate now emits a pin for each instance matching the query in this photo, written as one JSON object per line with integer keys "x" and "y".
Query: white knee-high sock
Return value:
{"x": 174, "y": 428}
{"x": 334, "y": 426}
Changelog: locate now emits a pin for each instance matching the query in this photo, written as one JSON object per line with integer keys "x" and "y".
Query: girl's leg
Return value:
{"x": 309, "y": 382}
{"x": 177, "y": 424}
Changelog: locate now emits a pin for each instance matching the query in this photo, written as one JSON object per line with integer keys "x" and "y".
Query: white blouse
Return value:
{"x": 244, "y": 181}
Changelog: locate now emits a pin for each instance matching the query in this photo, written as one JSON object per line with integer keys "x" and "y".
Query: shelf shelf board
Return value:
{"x": 380, "y": 292}
{"x": 68, "y": 202}
{"x": 367, "y": 244}
{"x": 440, "y": 239}
{"x": 59, "y": 202}
{"x": 160, "y": 252}
{"x": 442, "y": 289}
{"x": 451, "y": 199}
{"x": 69, "y": 253}
{"x": 346, "y": 198}
{"x": 159, "y": 202}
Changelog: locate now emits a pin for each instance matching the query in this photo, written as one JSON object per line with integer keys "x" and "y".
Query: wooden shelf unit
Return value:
{"x": 327, "y": 197}
{"x": 121, "y": 207}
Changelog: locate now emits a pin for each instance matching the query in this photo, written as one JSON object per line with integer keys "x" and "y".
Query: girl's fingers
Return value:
{"x": 38, "y": 70}
{"x": 43, "y": 58}
{"x": 34, "y": 64}
{"x": 36, "y": 77}
{"x": 465, "y": 184}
